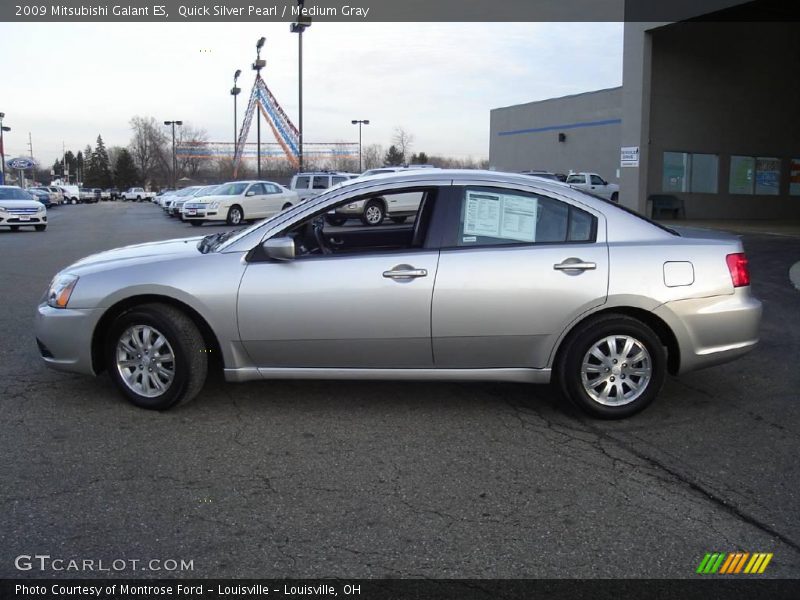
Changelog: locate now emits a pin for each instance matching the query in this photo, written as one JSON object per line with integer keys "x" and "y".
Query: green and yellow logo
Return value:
{"x": 734, "y": 563}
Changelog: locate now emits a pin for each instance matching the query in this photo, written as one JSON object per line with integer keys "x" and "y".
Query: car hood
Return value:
{"x": 207, "y": 199}
{"x": 139, "y": 253}
{"x": 12, "y": 204}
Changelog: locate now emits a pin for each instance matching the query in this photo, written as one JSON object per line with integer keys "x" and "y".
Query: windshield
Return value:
{"x": 206, "y": 191}
{"x": 12, "y": 193}
{"x": 231, "y": 189}
{"x": 185, "y": 192}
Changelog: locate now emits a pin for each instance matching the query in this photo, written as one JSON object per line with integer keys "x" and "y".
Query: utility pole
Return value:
{"x": 3, "y": 128}
{"x": 257, "y": 66}
{"x": 303, "y": 22}
{"x": 174, "y": 158}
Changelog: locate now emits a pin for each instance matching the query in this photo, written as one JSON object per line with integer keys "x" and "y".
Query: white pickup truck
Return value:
{"x": 594, "y": 184}
{"x": 138, "y": 194}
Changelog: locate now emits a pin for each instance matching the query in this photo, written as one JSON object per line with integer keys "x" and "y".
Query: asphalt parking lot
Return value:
{"x": 382, "y": 479}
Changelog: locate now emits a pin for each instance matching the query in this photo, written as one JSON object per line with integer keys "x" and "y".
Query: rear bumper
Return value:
{"x": 715, "y": 330}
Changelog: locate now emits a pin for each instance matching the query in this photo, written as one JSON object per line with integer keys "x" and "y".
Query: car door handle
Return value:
{"x": 575, "y": 264}
{"x": 405, "y": 272}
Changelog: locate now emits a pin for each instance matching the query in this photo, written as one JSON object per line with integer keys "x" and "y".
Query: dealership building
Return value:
{"x": 706, "y": 118}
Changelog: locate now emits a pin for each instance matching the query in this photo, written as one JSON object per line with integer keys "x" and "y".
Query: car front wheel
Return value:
{"x": 156, "y": 356}
{"x": 613, "y": 367}
{"x": 235, "y": 215}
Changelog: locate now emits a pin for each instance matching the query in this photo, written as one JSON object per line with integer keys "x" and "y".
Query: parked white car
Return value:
{"x": 239, "y": 201}
{"x": 72, "y": 193}
{"x": 176, "y": 206}
{"x": 19, "y": 209}
{"x": 168, "y": 202}
{"x": 594, "y": 184}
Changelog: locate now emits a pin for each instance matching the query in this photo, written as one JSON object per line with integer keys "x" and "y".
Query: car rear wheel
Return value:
{"x": 612, "y": 367}
{"x": 156, "y": 356}
{"x": 373, "y": 213}
{"x": 74, "y": 201}
{"x": 235, "y": 215}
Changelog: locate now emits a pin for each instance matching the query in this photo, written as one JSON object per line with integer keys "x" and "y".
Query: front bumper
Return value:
{"x": 7, "y": 219}
{"x": 64, "y": 337}
{"x": 197, "y": 213}
{"x": 714, "y": 330}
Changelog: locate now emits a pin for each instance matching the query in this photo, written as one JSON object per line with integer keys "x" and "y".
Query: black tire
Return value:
{"x": 398, "y": 220}
{"x": 235, "y": 215}
{"x": 73, "y": 200}
{"x": 138, "y": 198}
{"x": 196, "y": 223}
{"x": 374, "y": 213}
{"x": 287, "y": 205}
{"x": 569, "y": 370}
{"x": 190, "y": 365}
{"x": 40, "y": 227}
{"x": 336, "y": 221}
{"x": 615, "y": 197}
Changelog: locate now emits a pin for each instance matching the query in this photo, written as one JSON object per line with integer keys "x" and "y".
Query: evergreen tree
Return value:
{"x": 98, "y": 170}
{"x": 79, "y": 168}
{"x": 125, "y": 173}
{"x": 419, "y": 159}
{"x": 393, "y": 157}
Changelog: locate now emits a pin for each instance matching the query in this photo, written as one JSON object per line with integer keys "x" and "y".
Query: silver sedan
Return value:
{"x": 496, "y": 277}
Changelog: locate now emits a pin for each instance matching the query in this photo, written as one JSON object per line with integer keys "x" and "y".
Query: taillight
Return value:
{"x": 737, "y": 265}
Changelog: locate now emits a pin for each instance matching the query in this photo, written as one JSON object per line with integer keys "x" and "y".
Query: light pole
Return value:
{"x": 303, "y": 22}
{"x": 257, "y": 66}
{"x": 2, "y": 148}
{"x": 235, "y": 92}
{"x": 360, "y": 122}
{"x": 174, "y": 158}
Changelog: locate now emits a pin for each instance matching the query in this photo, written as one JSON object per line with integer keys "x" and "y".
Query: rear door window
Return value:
{"x": 301, "y": 183}
{"x": 496, "y": 217}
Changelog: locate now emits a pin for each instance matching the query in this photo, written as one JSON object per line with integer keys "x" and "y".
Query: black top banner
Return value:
{"x": 394, "y": 10}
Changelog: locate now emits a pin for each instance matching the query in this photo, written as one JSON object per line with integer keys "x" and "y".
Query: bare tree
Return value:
{"x": 191, "y": 148}
{"x": 148, "y": 147}
{"x": 403, "y": 141}
{"x": 372, "y": 156}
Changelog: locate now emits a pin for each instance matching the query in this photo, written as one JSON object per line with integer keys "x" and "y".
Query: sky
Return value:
{"x": 67, "y": 83}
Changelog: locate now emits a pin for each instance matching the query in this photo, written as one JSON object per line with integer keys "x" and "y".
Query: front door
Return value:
{"x": 370, "y": 310}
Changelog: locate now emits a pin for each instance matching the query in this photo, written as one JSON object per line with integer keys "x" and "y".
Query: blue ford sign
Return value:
{"x": 21, "y": 163}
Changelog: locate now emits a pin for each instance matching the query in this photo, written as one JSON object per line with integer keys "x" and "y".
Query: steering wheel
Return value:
{"x": 318, "y": 225}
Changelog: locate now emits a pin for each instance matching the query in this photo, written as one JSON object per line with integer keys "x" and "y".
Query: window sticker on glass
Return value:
{"x": 499, "y": 216}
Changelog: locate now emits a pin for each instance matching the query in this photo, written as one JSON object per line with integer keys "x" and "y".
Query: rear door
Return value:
{"x": 515, "y": 269}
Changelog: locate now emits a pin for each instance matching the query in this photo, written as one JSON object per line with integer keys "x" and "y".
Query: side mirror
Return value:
{"x": 250, "y": 193}
{"x": 280, "y": 248}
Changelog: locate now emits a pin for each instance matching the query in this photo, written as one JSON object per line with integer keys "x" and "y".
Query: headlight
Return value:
{"x": 41, "y": 208}
{"x": 213, "y": 205}
{"x": 2, "y": 209}
{"x": 61, "y": 289}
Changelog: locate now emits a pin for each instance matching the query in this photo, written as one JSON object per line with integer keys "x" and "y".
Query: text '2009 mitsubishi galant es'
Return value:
{"x": 496, "y": 277}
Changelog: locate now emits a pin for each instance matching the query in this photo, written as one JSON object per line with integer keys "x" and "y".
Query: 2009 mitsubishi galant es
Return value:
{"x": 497, "y": 277}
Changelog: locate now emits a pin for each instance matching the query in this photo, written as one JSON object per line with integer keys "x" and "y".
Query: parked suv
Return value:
{"x": 239, "y": 201}
{"x": 306, "y": 185}
{"x": 372, "y": 212}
